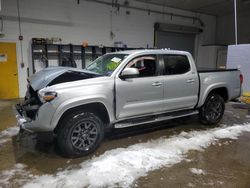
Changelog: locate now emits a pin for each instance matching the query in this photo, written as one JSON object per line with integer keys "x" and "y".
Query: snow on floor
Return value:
{"x": 123, "y": 166}
{"x": 197, "y": 171}
{"x": 7, "y": 134}
{"x": 15, "y": 176}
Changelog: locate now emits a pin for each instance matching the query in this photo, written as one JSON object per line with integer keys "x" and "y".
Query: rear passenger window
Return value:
{"x": 176, "y": 64}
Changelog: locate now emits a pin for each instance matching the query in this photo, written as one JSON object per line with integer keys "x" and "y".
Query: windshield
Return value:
{"x": 106, "y": 64}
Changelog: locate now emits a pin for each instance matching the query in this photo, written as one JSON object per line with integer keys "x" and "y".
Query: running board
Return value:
{"x": 156, "y": 118}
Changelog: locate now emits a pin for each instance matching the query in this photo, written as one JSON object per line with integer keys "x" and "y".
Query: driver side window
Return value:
{"x": 145, "y": 64}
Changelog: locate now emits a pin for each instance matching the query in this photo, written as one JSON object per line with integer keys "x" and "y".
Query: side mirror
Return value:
{"x": 129, "y": 73}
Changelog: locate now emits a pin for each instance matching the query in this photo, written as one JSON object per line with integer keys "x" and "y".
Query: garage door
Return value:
{"x": 176, "y": 41}
{"x": 176, "y": 37}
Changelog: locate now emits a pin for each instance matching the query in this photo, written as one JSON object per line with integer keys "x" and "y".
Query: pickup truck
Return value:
{"x": 122, "y": 89}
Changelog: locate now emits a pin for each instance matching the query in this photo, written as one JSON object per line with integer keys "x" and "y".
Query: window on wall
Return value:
{"x": 145, "y": 64}
{"x": 176, "y": 64}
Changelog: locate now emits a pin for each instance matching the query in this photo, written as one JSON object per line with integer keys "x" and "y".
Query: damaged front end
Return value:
{"x": 30, "y": 105}
{"x": 27, "y": 112}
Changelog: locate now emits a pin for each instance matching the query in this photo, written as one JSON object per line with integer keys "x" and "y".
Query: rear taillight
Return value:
{"x": 241, "y": 79}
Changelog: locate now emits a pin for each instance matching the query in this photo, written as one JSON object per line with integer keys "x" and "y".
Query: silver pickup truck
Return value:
{"x": 122, "y": 89}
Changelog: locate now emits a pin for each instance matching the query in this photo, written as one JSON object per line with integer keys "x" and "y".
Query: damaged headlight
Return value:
{"x": 46, "y": 96}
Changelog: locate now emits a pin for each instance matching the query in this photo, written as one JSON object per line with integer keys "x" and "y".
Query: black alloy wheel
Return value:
{"x": 79, "y": 133}
{"x": 213, "y": 109}
{"x": 84, "y": 134}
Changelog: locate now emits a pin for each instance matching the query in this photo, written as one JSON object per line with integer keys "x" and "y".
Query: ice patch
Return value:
{"x": 7, "y": 134}
{"x": 229, "y": 112}
{"x": 220, "y": 182}
{"x": 188, "y": 160}
{"x": 123, "y": 166}
{"x": 236, "y": 116}
{"x": 15, "y": 176}
{"x": 197, "y": 171}
{"x": 190, "y": 185}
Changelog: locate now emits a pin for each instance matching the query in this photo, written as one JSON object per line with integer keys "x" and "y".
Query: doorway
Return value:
{"x": 8, "y": 71}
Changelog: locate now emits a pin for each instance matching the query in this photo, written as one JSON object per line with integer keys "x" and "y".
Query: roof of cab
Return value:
{"x": 151, "y": 51}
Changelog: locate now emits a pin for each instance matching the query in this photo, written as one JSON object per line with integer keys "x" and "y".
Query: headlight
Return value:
{"x": 46, "y": 96}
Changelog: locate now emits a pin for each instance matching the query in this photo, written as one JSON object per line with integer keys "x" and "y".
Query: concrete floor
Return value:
{"x": 225, "y": 164}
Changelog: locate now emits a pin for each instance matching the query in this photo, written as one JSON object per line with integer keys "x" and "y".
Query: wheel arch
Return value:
{"x": 220, "y": 89}
{"x": 95, "y": 107}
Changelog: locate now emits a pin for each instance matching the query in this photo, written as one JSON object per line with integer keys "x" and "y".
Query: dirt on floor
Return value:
{"x": 225, "y": 163}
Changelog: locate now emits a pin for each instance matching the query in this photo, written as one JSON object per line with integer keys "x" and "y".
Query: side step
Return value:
{"x": 153, "y": 119}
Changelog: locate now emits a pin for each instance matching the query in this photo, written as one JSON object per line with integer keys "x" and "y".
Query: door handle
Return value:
{"x": 190, "y": 81}
{"x": 157, "y": 84}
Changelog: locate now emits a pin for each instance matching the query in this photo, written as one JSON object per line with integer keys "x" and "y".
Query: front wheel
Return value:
{"x": 80, "y": 133}
{"x": 212, "y": 110}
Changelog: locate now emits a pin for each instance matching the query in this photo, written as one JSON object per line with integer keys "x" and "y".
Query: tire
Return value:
{"x": 79, "y": 134}
{"x": 213, "y": 109}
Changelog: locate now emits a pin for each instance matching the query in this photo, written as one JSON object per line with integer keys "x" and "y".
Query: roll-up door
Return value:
{"x": 176, "y": 37}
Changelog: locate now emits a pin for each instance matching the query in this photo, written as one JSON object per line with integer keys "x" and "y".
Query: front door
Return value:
{"x": 141, "y": 95}
{"x": 8, "y": 71}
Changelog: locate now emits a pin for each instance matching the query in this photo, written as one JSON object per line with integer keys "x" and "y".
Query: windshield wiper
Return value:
{"x": 94, "y": 72}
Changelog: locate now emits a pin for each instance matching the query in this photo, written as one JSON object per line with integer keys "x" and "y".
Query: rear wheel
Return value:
{"x": 79, "y": 134}
{"x": 212, "y": 110}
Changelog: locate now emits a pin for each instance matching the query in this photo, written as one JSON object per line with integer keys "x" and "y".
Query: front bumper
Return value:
{"x": 40, "y": 123}
{"x": 22, "y": 121}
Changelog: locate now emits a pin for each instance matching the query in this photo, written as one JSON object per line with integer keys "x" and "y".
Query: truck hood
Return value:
{"x": 56, "y": 75}
{"x": 81, "y": 85}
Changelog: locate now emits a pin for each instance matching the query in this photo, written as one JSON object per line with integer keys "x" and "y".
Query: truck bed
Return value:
{"x": 224, "y": 78}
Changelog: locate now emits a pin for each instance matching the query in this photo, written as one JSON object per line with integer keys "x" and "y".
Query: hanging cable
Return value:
{"x": 112, "y": 35}
{"x": 235, "y": 22}
{"x": 1, "y": 25}
{"x": 20, "y": 37}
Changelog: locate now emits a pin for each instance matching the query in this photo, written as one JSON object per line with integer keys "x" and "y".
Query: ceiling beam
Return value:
{"x": 175, "y": 7}
{"x": 194, "y": 18}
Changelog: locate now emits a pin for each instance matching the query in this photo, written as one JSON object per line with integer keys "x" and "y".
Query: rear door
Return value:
{"x": 141, "y": 95}
{"x": 181, "y": 83}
